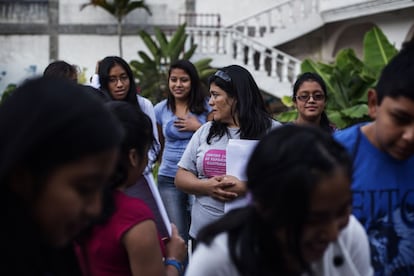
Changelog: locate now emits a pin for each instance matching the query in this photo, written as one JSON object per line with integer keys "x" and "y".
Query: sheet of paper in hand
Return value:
{"x": 146, "y": 190}
{"x": 238, "y": 152}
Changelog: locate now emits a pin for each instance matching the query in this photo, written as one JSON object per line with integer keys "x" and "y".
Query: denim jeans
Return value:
{"x": 177, "y": 203}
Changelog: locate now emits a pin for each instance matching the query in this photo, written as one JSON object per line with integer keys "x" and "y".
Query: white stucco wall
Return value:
{"x": 27, "y": 55}
{"x": 233, "y": 10}
{"x": 331, "y": 4}
{"x": 396, "y": 27}
{"x": 164, "y": 12}
{"x": 86, "y": 54}
{"x": 69, "y": 12}
{"x": 22, "y": 57}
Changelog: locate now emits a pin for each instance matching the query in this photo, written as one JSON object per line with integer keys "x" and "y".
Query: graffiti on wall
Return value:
{"x": 7, "y": 79}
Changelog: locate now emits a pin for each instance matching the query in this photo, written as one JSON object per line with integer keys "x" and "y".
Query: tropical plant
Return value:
{"x": 118, "y": 9}
{"x": 348, "y": 80}
{"x": 151, "y": 71}
{"x": 7, "y": 92}
{"x": 82, "y": 79}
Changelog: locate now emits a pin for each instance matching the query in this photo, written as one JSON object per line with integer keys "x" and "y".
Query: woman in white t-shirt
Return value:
{"x": 238, "y": 112}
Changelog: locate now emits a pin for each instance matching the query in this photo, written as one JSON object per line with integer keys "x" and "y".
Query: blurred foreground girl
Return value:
{"x": 127, "y": 241}
{"x": 58, "y": 148}
{"x": 299, "y": 221}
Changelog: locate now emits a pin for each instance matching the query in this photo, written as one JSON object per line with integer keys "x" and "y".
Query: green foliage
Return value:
{"x": 378, "y": 51}
{"x": 348, "y": 80}
{"x": 82, "y": 79}
{"x": 118, "y": 9}
{"x": 155, "y": 171}
{"x": 7, "y": 92}
{"x": 151, "y": 71}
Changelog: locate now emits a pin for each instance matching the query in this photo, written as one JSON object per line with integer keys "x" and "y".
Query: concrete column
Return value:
{"x": 189, "y": 6}
{"x": 53, "y": 29}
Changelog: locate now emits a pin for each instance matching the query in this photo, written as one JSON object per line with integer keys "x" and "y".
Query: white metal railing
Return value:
{"x": 244, "y": 50}
{"x": 280, "y": 16}
{"x": 291, "y": 15}
{"x": 200, "y": 19}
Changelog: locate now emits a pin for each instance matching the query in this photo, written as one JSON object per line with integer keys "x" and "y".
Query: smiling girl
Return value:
{"x": 310, "y": 98}
{"x": 59, "y": 146}
{"x": 178, "y": 117}
{"x": 299, "y": 221}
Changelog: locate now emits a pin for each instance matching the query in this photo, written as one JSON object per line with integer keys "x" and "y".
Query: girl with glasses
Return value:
{"x": 116, "y": 80}
{"x": 309, "y": 98}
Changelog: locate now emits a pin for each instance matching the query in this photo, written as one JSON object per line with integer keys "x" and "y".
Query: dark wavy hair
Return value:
{"x": 105, "y": 66}
{"x": 138, "y": 135}
{"x": 197, "y": 98}
{"x": 54, "y": 113}
{"x": 249, "y": 106}
{"x": 45, "y": 124}
{"x": 61, "y": 69}
{"x": 284, "y": 169}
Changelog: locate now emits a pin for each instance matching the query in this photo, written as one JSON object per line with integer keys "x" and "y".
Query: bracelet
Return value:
{"x": 178, "y": 265}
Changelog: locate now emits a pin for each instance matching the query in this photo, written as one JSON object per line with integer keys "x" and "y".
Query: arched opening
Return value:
{"x": 352, "y": 37}
{"x": 410, "y": 34}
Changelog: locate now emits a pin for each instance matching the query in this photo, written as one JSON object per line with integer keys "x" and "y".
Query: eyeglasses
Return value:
{"x": 222, "y": 75}
{"x": 305, "y": 97}
{"x": 122, "y": 78}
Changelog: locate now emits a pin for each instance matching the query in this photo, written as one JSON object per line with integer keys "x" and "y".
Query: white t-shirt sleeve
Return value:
{"x": 94, "y": 81}
{"x": 356, "y": 242}
{"x": 212, "y": 260}
{"x": 352, "y": 249}
{"x": 148, "y": 108}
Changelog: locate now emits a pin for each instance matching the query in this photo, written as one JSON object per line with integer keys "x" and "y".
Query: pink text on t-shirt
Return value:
{"x": 214, "y": 163}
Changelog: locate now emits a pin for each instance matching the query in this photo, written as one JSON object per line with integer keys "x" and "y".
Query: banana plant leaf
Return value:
{"x": 309, "y": 65}
{"x": 176, "y": 47}
{"x": 287, "y": 101}
{"x": 287, "y": 116}
{"x": 206, "y": 73}
{"x": 190, "y": 53}
{"x": 356, "y": 111}
{"x": 203, "y": 63}
{"x": 151, "y": 72}
{"x": 378, "y": 51}
{"x": 149, "y": 42}
{"x": 162, "y": 41}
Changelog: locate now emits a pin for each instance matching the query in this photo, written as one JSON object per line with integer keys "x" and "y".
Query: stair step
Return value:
{"x": 273, "y": 70}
